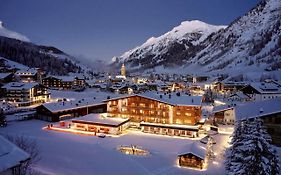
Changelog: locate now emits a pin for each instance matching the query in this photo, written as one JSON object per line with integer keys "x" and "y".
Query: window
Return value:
{"x": 141, "y": 111}
{"x": 142, "y": 105}
{"x": 188, "y": 114}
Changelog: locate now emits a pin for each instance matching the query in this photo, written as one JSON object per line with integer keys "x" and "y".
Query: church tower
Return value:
{"x": 123, "y": 70}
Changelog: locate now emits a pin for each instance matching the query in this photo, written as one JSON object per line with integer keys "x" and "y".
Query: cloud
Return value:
{"x": 11, "y": 34}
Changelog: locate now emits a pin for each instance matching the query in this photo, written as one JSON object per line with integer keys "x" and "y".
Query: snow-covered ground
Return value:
{"x": 70, "y": 154}
{"x": 88, "y": 93}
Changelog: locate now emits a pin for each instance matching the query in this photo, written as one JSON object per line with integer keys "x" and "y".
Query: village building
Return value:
{"x": 228, "y": 86}
{"x": 239, "y": 97}
{"x": 100, "y": 123}
{"x": 224, "y": 114}
{"x": 58, "y": 111}
{"x": 262, "y": 91}
{"x": 28, "y": 75}
{"x": 64, "y": 82}
{"x": 193, "y": 156}
{"x": 11, "y": 158}
{"x": 268, "y": 110}
{"x": 162, "y": 109}
{"x": 25, "y": 94}
{"x": 170, "y": 129}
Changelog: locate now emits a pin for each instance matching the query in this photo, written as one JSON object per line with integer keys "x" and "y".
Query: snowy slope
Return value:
{"x": 187, "y": 35}
{"x": 11, "y": 34}
{"x": 252, "y": 41}
{"x": 251, "y": 44}
{"x": 12, "y": 64}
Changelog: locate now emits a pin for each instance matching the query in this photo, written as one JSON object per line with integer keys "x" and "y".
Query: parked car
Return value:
{"x": 101, "y": 135}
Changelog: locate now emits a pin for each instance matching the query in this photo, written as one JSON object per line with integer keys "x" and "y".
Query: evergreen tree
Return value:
{"x": 251, "y": 151}
{"x": 210, "y": 149}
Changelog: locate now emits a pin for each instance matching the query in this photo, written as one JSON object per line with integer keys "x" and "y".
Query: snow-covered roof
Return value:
{"x": 4, "y": 75}
{"x": 173, "y": 99}
{"x": 196, "y": 148}
{"x": 101, "y": 119}
{"x": 266, "y": 88}
{"x": 65, "y": 78}
{"x": 240, "y": 95}
{"x": 257, "y": 109}
{"x": 74, "y": 104}
{"x": 19, "y": 85}
{"x": 31, "y": 71}
{"x": 10, "y": 154}
{"x": 222, "y": 108}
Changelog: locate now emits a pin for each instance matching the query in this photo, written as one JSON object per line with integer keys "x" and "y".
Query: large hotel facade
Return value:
{"x": 168, "y": 114}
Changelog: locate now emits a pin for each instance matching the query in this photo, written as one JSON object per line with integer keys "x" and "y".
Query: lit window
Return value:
{"x": 141, "y": 111}
{"x": 142, "y": 105}
{"x": 187, "y": 114}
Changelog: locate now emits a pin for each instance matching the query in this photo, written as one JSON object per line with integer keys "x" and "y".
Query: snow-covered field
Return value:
{"x": 70, "y": 154}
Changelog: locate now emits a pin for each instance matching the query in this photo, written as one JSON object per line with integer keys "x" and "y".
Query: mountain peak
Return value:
{"x": 188, "y": 33}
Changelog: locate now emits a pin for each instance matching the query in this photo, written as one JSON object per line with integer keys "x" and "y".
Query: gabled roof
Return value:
{"x": 240, "y": 95}
{"x": 257, "y": 109}
{"x": 31, "y": 71}
{"x": 221, "y": 108}
{"x": 182, "y": 100}
{"x": 196, "y": 148}
{"x": 266, "y": 88}
{"x": 19, "y": 85}
{"x": 100, "y": 119}
{"x": 10, "y": 155}
{"x": 74, "y": 104}
{"x": 4, "y": 75}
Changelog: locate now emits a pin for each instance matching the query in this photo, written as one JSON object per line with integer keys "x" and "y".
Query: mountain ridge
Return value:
{"x": 250, "y": 43}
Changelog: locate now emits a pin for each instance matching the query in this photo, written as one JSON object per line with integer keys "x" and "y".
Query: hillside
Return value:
{"x": 251, "y": 43}
{"x": 169, "y": 49}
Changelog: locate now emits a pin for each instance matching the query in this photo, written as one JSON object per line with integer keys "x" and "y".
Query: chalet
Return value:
{"x": 193, "y": 156}
{"x": 229, "y": 86}
{"x": 58, "y": 111}
{"x": 262, "y": 91}
{"x": 64, "y": 82}
{"x": 239, "y": 97}
{"x": 100, "y": 123}
{"x": 25, "y": 94}
{"x": 161, "y": 109}
{"x": 28, "y": 75}
{"x": 224, "y": 114}
{"x": 79, "y": 82}
{"x": 11, "y": 158}
{"x": 268, "y": 110}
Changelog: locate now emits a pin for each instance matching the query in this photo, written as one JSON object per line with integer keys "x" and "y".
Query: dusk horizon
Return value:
{"x": 99, "y": 30}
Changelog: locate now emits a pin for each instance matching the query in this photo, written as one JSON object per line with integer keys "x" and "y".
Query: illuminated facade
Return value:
{"x": 145, "y": 110}
{"x": 25, "y": 94}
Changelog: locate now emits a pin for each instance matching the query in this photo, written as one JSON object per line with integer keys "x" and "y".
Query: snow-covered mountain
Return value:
{"x": 11, "y": 34}
{"x": 250, "y": 43}
{"x": 169, "y": 48}
{"x": 18, "y": 48}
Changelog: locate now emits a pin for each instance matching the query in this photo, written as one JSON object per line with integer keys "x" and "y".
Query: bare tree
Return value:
{"x": 30, "y": 146}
